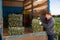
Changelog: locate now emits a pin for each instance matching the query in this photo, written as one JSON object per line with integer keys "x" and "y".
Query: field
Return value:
{"x": 57, "y": 24}
{"x": 57, "y": 28}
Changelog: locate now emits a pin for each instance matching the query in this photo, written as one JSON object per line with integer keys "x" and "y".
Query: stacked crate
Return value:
{"x": 15, "y": 24}
{"x": 36, "y": 26}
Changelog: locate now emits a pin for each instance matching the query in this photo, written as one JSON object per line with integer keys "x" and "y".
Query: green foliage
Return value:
{"x": 15, "y": 20}
{"x": 36, "y": 26}
{"x": 15, "y": 24}
{"x": 57, "y": 27}
{"x": 57, "y": 24}
{"x": 16, "y": 30}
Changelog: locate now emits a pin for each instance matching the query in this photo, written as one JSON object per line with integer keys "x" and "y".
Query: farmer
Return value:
{"x": 49, "y": 26}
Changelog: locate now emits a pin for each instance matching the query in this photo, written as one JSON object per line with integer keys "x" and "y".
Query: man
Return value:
{"x": 49, "y": 26}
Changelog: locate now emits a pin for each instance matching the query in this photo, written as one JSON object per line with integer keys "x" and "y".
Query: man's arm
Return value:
{"x": 44, "y": 25}
{"x": 50, "y": 24}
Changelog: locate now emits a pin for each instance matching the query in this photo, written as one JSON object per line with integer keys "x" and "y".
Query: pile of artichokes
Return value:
{"x": 15, "y": 24}
{"x": 36, "y": 26}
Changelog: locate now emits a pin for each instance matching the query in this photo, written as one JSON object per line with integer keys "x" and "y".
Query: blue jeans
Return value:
{"x": 50, "y": 37}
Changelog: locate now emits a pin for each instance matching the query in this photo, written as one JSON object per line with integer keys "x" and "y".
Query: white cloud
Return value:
{"x": 55, "y": 7}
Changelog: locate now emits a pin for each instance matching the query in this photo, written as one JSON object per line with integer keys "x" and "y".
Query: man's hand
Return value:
{"x": 39, "y": 18}
{"x": 40, "y": 23}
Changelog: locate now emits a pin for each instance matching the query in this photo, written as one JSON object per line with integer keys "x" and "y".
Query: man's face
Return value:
{"x": 48, "y": 16}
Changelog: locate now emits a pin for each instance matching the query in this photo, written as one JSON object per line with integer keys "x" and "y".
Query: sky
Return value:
{"x": 55, "y": 7}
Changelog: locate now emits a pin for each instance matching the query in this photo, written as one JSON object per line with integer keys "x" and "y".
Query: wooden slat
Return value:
{"x": 30, "y": 36}
{"x": 39, "y": 5}
{"x": 14, "y": 4}
{"x": 27, "y": 3}
{"x": 36, "y": 5}
{"x": 40, "y": 8}
{"x": 13, "y": 0}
